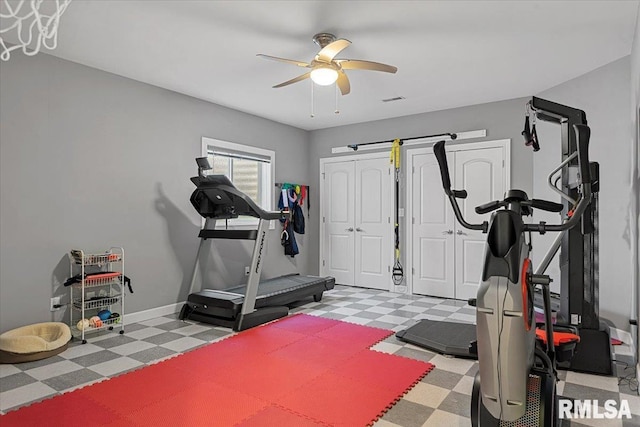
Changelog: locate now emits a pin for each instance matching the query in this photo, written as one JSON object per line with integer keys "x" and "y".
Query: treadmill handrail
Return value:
{"x": 228, "y": 234}
{"x": 254, "y": 210}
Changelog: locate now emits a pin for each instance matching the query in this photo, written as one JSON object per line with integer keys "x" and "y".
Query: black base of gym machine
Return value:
{"x": 541, "y": 397}
{"x": 593, "y": 354}
{"x": 450, "y": 338}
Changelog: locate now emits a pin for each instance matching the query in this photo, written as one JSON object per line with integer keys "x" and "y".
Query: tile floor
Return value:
{"x": 442, "y": 398}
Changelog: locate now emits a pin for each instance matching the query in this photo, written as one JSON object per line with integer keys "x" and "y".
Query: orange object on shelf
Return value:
{"x": 102, "y": 276}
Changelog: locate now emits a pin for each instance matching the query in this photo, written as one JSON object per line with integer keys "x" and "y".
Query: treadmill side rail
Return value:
{"x": 255, "y": 269}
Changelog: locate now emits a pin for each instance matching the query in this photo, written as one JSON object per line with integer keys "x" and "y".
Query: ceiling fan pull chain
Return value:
{"x": 312, "y": 115}
{"x": 336, "y": 92}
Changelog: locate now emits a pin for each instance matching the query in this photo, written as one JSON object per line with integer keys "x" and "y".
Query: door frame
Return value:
{"x": 340, "y": 159}
{"x": 505, "y": 144}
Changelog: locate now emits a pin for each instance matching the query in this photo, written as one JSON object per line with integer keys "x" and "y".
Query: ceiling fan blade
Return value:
{"x": 288, "y": 61}
{"x": 330, "y": 51}
{"x": 294, "y": 80}
{"x": 356, "y": 64}
{"x": 343, "y": 83}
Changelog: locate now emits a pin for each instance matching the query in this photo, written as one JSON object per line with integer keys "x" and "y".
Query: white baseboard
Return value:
{"x": 152, "y": 313}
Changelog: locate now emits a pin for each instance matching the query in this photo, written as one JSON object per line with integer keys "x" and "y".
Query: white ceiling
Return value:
{"x": 448, "y": 53}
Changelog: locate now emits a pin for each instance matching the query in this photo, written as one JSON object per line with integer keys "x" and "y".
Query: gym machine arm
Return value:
{"x": 582, "y": 136}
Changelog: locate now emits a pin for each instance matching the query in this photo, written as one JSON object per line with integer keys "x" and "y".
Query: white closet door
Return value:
{"x": 338, "y": 214}
{"x": 373, "y": 227}
{"x": 432, "y": 230}
{"x": 481, "y": 172}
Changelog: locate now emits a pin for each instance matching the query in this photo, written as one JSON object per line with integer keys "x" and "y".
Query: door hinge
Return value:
{"x": 413, "y": 220}
{"x": 323, "y": 220}
{"x": 413, "y": 169}
{"x": 413, "y": 271}
{"x": 389, "y": 219}
{"x": 323, "y": 175}
{"x": 389, "y": 268}
{"x": 323, "y": 263}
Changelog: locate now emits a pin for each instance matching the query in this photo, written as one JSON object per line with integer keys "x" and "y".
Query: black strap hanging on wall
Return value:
{"x": 529, "y": 133}
{"x": 397, "y": 273}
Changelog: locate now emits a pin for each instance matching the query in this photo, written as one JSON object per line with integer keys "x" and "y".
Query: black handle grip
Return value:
{"x": 583, "y": 133}
{"x": 526, "y": 132}
{"x": 534, "y": 139}
{"x": 488, "y": 207}
{"x": 127, "y": 282}
{"x": 441, "y": 156}
{"x": 546, "y": 205}
{"x": 459, "y": 194}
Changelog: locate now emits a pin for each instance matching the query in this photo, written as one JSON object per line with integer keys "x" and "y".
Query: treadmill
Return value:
{"x": 256, "y": 302}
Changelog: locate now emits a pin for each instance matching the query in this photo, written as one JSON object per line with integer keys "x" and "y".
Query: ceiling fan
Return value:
{"x": 326, "y": 70}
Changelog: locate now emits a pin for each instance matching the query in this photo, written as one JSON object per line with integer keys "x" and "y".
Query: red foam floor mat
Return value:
{"x": 274, "y": 416}
{"x": 301, "y": 370}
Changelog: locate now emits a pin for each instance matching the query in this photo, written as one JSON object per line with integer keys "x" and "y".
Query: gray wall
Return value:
{"x": 604, "y": 95}
{"x": 502, "y": 120}
{"x": 91, "y": 160}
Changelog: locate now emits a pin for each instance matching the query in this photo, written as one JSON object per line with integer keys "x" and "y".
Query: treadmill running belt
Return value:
{"x": 222, "y": 307}
{"x": 279, "y": 285}
{"x": 443, "y": 337}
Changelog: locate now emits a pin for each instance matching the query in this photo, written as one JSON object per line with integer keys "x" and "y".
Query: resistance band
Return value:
{"x": 529, "y": 133}
{"x": 397, "y": 273}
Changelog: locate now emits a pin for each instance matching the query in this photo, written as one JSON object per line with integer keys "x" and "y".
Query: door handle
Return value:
{"x": 448, "y": 232}
{"x": 461, "y": 233}
{"x": 359, "y": 229}
{"x": 349, "y": 229}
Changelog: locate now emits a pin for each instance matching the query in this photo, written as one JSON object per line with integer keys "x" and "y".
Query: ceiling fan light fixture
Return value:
{"x": 324, "y": 76}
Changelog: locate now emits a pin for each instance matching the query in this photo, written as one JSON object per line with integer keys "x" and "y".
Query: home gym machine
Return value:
{"x": 579, "y": 286}
{"x": 516, "y": 381}
{"x": 578, "y": 298}
{"x": 242, "y": 307}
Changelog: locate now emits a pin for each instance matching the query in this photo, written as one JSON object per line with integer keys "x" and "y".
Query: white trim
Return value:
{"x": 235, "y": 146}
{"x": 152, "y": 313}
{"x": 363, "y": 156}
{"x": 505, "y": 144}
{"x": 323, "y": 161}
{"x": 460, "y": 136}
{"x": 245, "y": 222}
{"x": 321, "y": 218}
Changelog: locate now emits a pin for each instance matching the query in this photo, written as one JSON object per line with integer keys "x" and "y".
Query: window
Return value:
{"x": 251, "y": 170}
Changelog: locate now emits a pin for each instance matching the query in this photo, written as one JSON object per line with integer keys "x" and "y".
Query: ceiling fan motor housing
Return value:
{"x": 323, "y": 39}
